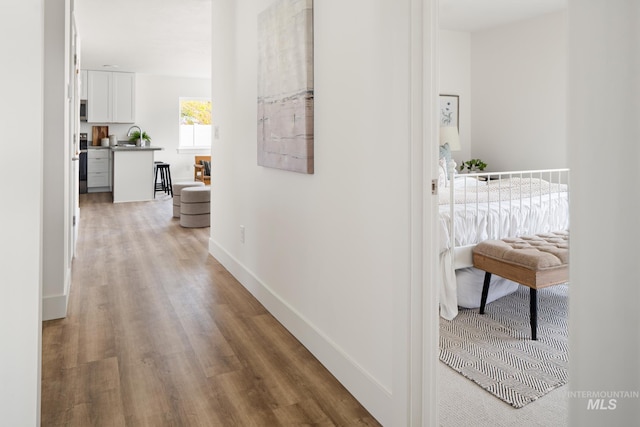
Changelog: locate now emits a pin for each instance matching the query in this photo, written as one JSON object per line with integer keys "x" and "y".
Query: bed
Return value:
{"x": 480, "y": 206}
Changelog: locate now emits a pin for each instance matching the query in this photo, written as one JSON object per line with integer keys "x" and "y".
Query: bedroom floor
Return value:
{"x": 463, "y": 403}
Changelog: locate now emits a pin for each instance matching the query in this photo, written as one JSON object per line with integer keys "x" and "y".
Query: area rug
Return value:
{"x": 495, "y": 349}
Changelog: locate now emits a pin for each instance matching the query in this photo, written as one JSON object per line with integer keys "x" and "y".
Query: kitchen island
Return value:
{"x": 133, "y": 177}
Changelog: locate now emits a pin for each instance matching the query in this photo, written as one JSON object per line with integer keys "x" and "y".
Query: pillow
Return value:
{"x": 443, "y": 178}
{"x": 445, "y": 152}
{"x": 452, "y": 168}
{"x": 207, "y": 167}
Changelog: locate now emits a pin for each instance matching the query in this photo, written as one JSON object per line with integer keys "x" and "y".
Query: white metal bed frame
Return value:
{"x": 462, "y": 255}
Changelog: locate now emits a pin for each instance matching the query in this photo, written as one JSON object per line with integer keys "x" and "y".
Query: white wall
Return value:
{"x": 57, "y": 152}
{"x": 518, "y": 91}
{"x": 157, "y": 112}
{"x": 323, "y": 252}
{"x": 455, "y": 79}
{"x": 604, "y": 334}
{"x": 604, "y": 338}
{"x": 21, "y": 86}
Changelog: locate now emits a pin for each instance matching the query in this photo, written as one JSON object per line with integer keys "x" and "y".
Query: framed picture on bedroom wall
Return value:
{"x": 449, "y": 111}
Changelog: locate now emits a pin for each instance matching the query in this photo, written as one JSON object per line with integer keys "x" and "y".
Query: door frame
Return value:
{"x": 416, "y": 362}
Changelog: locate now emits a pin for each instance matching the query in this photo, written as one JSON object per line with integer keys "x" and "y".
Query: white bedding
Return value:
{"x": 502, "y": 208}
{"x": 493, "y": 210}
{"x": 470, "y": 281}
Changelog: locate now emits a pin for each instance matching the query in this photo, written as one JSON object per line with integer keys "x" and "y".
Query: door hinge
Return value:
{"x": 74, "y": 220}
{"x": 434, "y": 187}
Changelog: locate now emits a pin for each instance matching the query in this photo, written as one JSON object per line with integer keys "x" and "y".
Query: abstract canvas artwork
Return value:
{"x": 285, "y": 86}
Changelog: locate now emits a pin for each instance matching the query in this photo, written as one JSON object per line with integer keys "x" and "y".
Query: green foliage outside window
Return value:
{"x": 195, "y": 112}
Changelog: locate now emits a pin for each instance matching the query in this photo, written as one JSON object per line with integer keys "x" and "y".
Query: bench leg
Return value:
{"x": 485, "y": 291}
{"x": 533, "y": 305}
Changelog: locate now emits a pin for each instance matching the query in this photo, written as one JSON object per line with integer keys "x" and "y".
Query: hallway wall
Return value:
{"x": 57, "y": 218}
{"x": 604, "y": 334}
{"x": 21, "y": 214}
{"x": 323, "y": 252}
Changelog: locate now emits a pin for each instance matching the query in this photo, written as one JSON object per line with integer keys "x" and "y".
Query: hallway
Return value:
{"x": 158, "y": 333}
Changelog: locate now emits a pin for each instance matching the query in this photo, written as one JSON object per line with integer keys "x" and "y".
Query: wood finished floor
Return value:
{"x": 158, "y": 333}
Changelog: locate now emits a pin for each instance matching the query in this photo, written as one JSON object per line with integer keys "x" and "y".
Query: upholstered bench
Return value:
{"x": 535, "y": 261}
{"x": 195, "y": 207}
{"x": 177, "y": 190}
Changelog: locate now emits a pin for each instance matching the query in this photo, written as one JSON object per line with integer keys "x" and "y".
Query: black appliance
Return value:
{"x": 83, "y": 163}
{"x": 83, "y": 110}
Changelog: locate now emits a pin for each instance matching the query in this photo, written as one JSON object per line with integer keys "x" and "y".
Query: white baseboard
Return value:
{"x": 364, "y": 387}
{"x": 55, "y": 306}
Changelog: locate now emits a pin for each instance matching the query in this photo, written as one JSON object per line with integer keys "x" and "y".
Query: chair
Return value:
{"x": 202, "y": 169}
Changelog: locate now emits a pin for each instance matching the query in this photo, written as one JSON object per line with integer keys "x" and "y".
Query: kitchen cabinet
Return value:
{"x": 98, "y": 170}
{"x": 124, "y": 92}
{"x": 133, "y": 177}
{"x": 110, "y": 97}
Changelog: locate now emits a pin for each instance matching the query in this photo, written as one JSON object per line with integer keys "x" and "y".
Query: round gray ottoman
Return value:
{"x": 195, "y": 206}
{"x": 177, "y": 189}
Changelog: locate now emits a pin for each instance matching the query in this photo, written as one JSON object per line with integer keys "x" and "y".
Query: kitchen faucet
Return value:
{"x": 139, "y": 131}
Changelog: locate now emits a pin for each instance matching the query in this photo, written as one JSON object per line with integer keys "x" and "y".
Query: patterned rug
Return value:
{"x": 495, "y": 351}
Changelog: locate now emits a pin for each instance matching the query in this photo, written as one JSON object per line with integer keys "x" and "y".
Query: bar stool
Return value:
{"x": 157, "y": 185}
{"x": 165, "y": 179}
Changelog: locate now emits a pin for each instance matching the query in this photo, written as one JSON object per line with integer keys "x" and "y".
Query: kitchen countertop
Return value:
{"x": 124, "y": 146}
{"x": 134, "y": 148}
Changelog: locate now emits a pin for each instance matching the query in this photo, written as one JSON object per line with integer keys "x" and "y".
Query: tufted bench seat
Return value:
{"x": 534, "y": 261}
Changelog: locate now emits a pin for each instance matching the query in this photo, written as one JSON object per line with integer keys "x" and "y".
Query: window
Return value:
{"x": 195, "y": 123}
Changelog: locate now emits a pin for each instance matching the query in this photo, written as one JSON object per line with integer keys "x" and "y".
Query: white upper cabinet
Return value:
{"x": 83, "y": 84}
{"x": 111, "y": 97}
{"x": 124, "y": 87}
{"x": 99, "y": 92}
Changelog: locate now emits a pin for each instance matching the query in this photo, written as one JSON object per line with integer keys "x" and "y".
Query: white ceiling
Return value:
{"x": 476, "y": 15}
{"x": 173, "y": 37}
{"x": 165, "y": 37}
